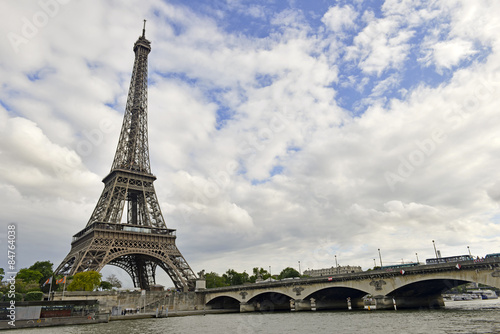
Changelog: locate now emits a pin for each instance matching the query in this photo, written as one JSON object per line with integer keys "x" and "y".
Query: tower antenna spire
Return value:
{"x": 144, "y": 30}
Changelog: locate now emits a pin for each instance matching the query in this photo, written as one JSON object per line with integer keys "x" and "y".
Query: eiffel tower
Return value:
{"x": 143, "y": 242}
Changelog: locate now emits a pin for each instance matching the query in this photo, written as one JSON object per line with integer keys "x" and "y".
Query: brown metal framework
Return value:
{"x": 143, "y": 242}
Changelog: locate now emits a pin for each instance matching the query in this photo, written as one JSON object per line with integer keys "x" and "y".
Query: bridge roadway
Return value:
{"x": 417, "y": 287}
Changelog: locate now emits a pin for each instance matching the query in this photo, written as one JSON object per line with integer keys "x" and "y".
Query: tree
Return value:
{"x": 288, "y": 273}
{"x": 233, "y": 277}
{"x": 264, "y": 274}
{"x": 106, "y": 285}
{"x": 213, "y": 280}
{"x": 114, "y": 281}
{"x": 2, "y": 274}
{"x": 43, "y": 267}
{"x": 23, "y": 287}
{"x": 29, "y": 276}
{"x": 85, "y": 281}
{"x": 33, "y": 295}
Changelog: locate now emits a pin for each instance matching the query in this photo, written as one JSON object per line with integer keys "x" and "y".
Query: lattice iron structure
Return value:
{"x": 143, "y": 242}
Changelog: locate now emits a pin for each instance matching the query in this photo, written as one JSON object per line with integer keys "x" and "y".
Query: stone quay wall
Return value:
{"x": 174, "y": 300}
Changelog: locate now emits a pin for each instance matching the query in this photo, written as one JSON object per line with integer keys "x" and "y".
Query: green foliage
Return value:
{"x": 213, "y": 280}
{"x": 2, "y": 274}
{"x": 288, "y": 273}
{"x": 43, "y": 267}
{"x": 33, "y": 295}
{"x": 233, "y": 277}
{"x": 18, "y": 297}
{"x": 259, "y": 272}
{"x": 85, "y": 281}
{"x": 115, "y": 282}
{"x": 32, "y": 287}
{"x": 29, "y": 276}
{"x": 23, "y": 287}
{"x": 106, "y": 285}
{"x": 38, "y": 273}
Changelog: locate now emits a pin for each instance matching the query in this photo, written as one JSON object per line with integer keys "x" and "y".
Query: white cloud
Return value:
{"x": 450, "y": 53}
{"x": 338, "y": 18}
{"x": 381, "y": 45}
{"x": 34, "y": 164}
{"x": 384, "y": 85}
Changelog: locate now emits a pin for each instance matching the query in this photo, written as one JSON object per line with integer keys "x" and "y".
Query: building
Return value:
{"x": 332, "y": 271}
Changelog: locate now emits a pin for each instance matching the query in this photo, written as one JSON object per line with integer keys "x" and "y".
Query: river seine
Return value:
{"x": 477, "y": 316}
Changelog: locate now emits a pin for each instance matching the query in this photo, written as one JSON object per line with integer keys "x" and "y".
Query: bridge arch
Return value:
{"x": 427, "y": 287}
{"x": 224, "y": 302}
{"x": 426, "y": 292}
{"x": 336, "y": 297}
{"x": 270, "y": 301}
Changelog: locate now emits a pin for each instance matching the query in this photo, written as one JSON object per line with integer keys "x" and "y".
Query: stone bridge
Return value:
{"x": 416, "y": 287}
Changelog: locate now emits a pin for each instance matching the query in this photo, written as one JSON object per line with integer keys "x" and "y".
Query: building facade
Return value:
{"x": 332, "y": 271}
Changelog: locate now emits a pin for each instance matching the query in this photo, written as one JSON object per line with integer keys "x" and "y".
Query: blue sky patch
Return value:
{"x": 222, "y": 116}
{"x": 5, "y": 105}
{"x": 40, "y": 74}
{"x": 276, "y": 170}
{"x": 264, "y": 80}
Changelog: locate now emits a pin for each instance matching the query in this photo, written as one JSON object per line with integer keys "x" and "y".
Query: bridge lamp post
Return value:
{"x": 299, "y": 269}
{"x": 374, "y": 263}
{"x": 380, "y": 256}
{"x": 435, "y": 251}
{"x": 417, "y": 257}
{"x": 469, "y": 251}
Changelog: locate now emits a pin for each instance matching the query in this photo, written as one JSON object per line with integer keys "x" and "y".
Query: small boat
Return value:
{"x": 463, "y": 296}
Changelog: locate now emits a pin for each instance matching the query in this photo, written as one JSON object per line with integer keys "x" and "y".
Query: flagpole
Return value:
{"x": 50, "y": 287}
{"x": 64, "y": 287}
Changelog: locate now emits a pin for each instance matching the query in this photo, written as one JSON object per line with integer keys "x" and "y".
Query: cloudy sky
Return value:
{"x": 280, "y": 131}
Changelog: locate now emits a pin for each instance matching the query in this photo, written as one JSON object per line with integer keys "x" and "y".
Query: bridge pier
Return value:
{"x": 340, "y": 304}
{"x": 314, "y": 304}
{"x": 425, "y": 302}
{"x": 302, "y": 305}
{"x": 384, "y": 303}
{"x": 265, "y": 306}
{"x": 244, "y": 307}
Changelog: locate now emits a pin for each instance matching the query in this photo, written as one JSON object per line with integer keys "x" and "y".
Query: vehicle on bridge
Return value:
{"x": 449, "y": 259}
{"x": 399, "y": 266}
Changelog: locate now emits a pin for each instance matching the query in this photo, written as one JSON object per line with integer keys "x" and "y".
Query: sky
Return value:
{"x": 279, "y": 131}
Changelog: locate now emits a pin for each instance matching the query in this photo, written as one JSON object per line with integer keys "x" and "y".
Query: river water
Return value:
{"x": 477, "y": 316}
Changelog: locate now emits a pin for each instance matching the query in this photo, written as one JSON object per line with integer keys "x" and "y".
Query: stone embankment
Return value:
{"x": 132, "y": 302}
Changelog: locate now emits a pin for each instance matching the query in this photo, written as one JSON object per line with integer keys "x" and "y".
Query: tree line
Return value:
{"x": 32, "y": 282}
{"x": 232, "y": 277}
